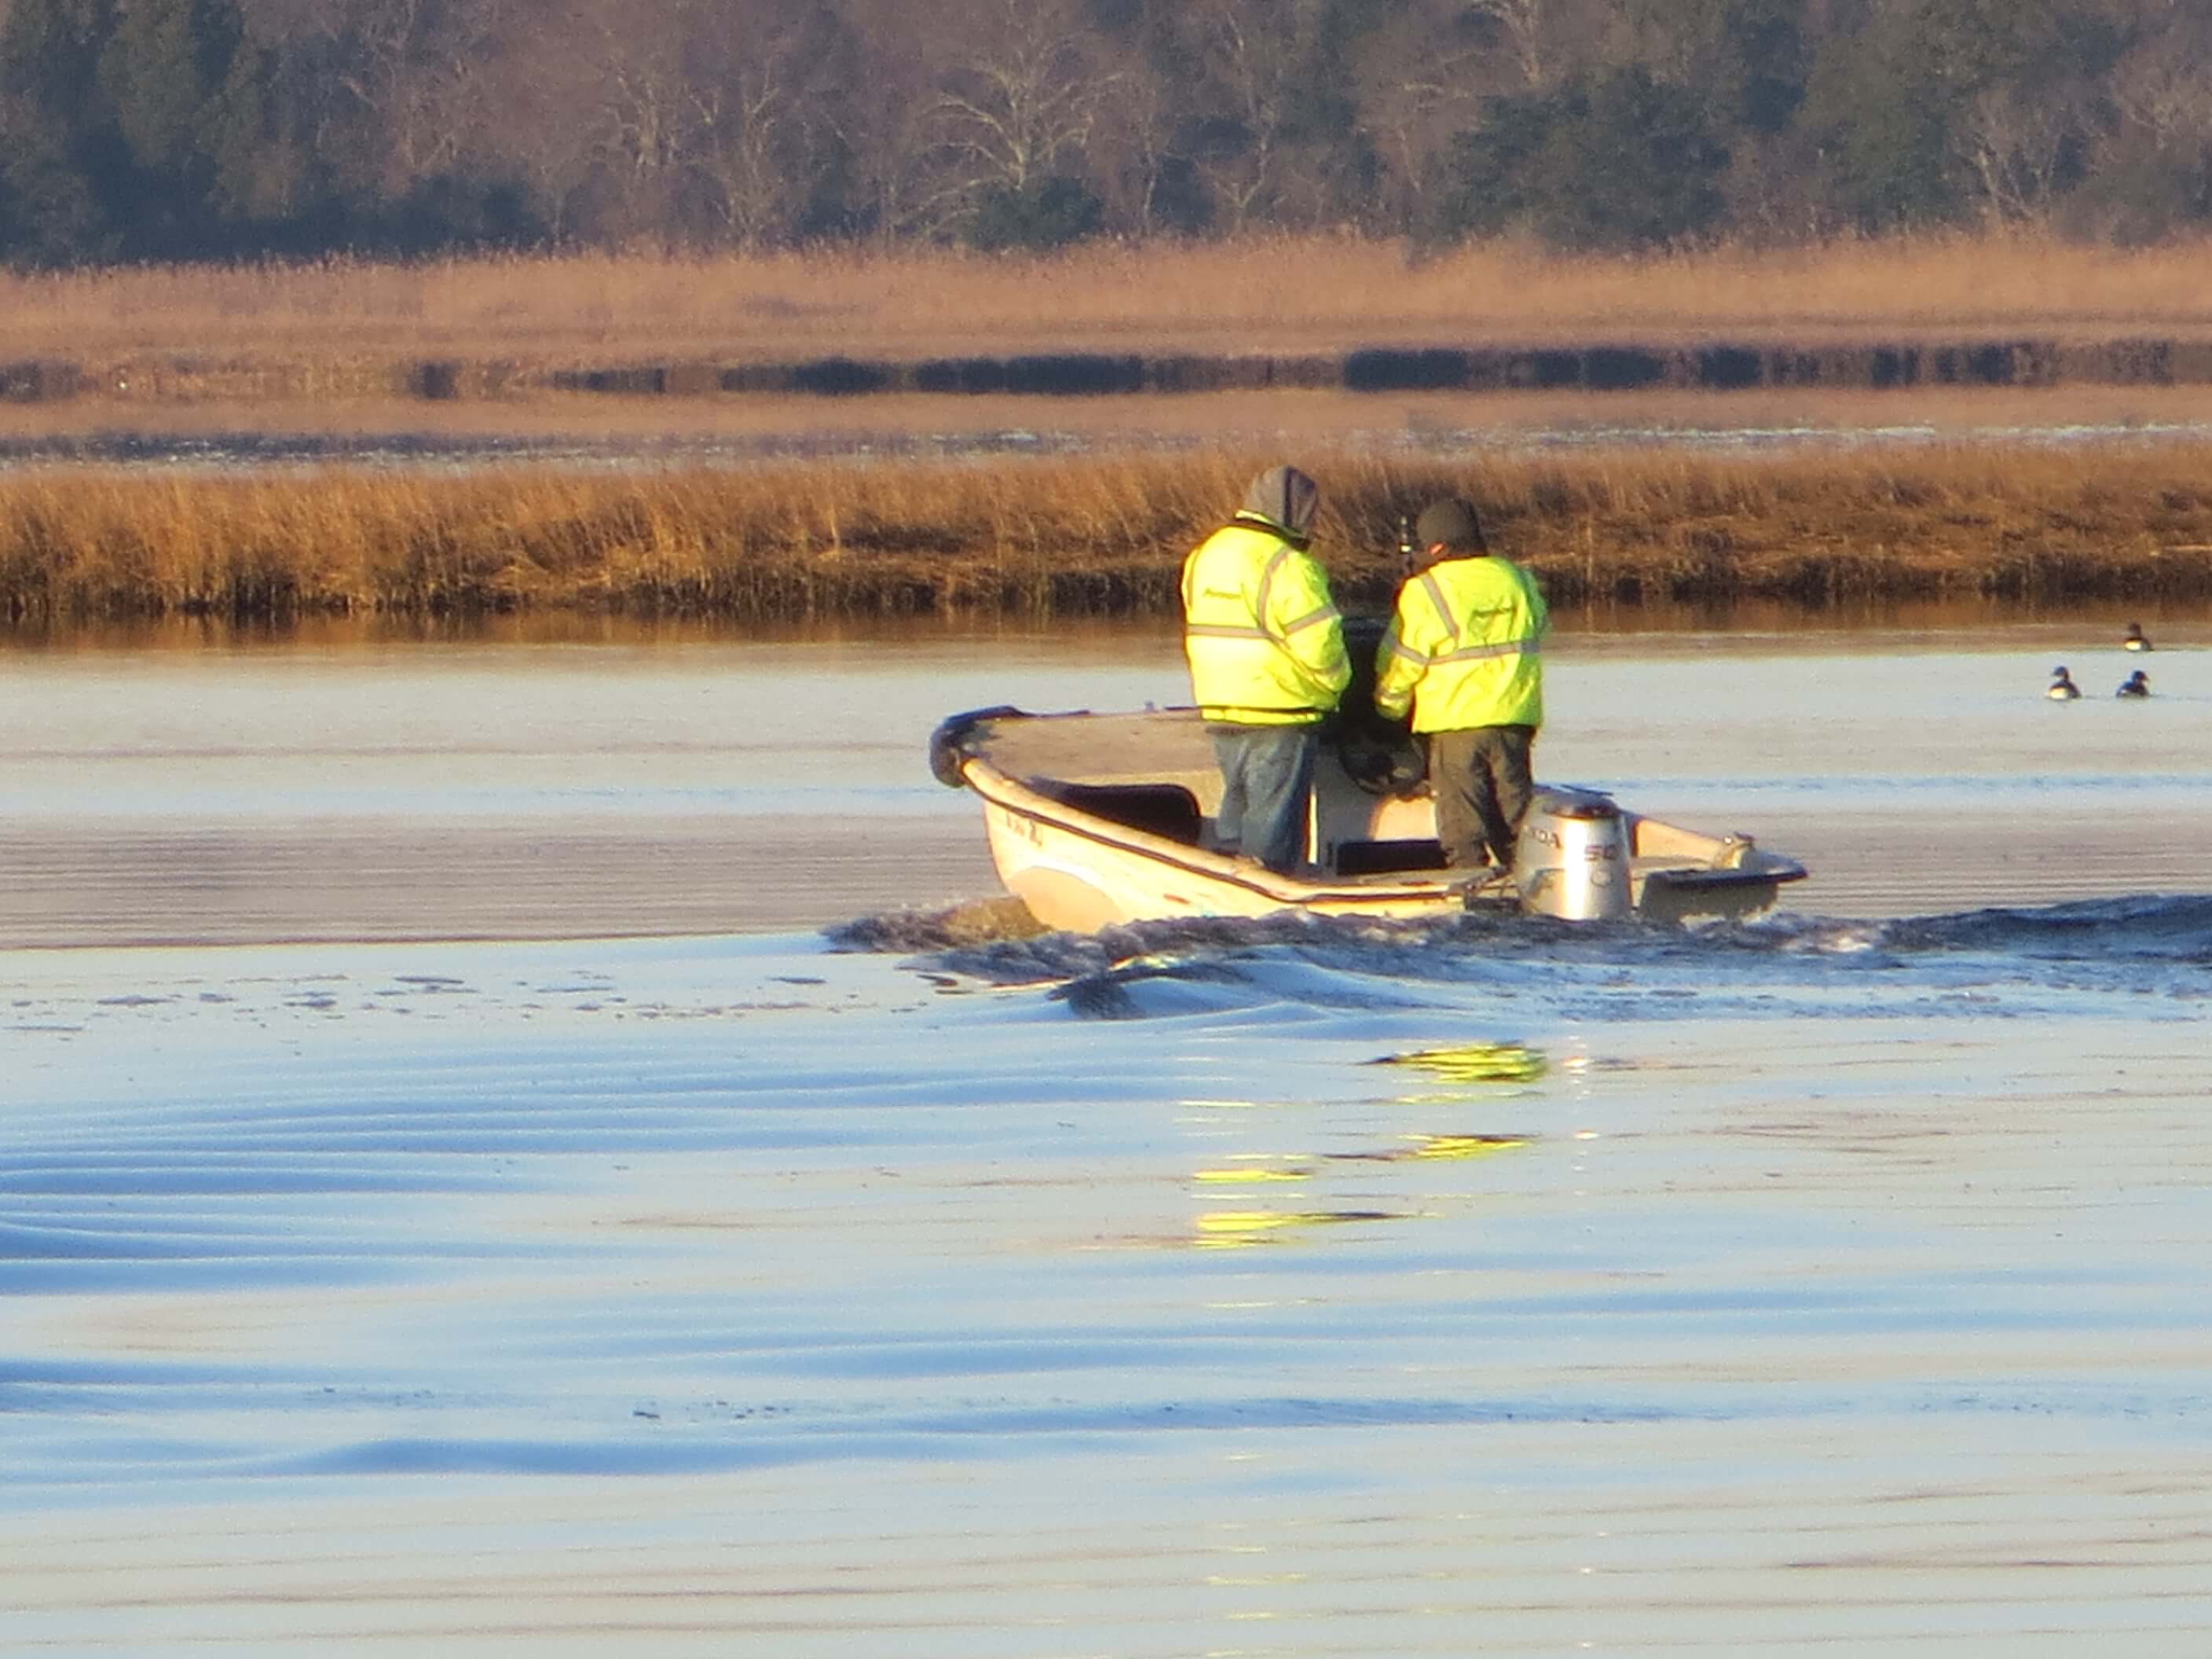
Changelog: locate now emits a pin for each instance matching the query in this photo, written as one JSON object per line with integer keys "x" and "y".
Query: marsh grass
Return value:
{"x": 1312, "y": 294}
{"x": 1067, "y": 537}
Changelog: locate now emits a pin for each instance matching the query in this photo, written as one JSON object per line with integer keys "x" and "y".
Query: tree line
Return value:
{"x": 171, "y": 129}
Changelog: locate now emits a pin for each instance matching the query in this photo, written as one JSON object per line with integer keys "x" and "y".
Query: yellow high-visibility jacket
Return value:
{"x": 1264, "y": 639}
{"x": 1463, "y": 648}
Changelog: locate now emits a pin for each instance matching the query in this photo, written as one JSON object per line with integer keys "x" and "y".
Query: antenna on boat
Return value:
{"x": 1406, "y": 551}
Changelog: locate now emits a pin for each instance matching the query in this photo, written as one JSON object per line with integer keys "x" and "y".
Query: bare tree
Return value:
{"x": 639, "y": 116}
{"x": 743, "y": 158}
{"x": 1525, "y": 24}
{"x": 541, "y": 89}
{"x": 1023, "y": 104}
{"x": 2165, "y": 89}
{"x": 2016, "y": 146}
{"x": 1417, "y": 82}
{"x": 1134, "y": 146}
{"x": 886, "y": 126}
{"x": 761, "y": 74}
{"x": 1250, "y": 50}
{"x": 386, "y": 93}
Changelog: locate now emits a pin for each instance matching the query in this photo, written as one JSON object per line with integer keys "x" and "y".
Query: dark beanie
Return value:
{"x": 1285, "y": 498}
{"x": 1454, "y": 524}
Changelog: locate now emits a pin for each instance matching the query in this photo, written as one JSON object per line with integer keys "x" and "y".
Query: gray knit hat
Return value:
{"x": 1452, "y": 523}
{"x": 1284, "y": 499}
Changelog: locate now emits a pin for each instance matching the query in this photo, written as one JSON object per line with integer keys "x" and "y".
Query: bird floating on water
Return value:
{"x": 2136, "y": 685}
{"x": 2135, "y": 641}
{"x": 2063, "y": 688}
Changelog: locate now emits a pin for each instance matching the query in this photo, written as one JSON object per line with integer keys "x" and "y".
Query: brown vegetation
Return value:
{"x": 1045, "y": 537}
{"x": 355, "y": 319}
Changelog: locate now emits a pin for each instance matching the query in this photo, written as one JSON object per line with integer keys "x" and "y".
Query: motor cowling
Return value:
{"x": 1572, "y": 858}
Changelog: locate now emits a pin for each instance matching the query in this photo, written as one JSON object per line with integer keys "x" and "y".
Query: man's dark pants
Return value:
{"x": 1483, "y": 783}
{"x": 1266, "y": 777}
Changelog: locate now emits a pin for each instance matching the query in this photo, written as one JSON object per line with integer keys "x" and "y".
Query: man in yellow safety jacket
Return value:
{"x": 1267, "y": 655}
{"x": 1462, "y": 652}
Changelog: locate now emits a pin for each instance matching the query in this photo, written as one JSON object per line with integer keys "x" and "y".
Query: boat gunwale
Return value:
{"x": 1014, "y": 795}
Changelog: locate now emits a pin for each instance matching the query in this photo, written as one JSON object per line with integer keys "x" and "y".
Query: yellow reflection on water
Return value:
{"x": 1467, "y": 1067}
{"x": 1476, "y": 1062}
{"x": 1249, "y": 1177}
{"x": 1464, "y": 1146}
{"x": 1230, "y": 1229}
{"x": 1258, "y": 1168}
{"x": 1431, "y": 1146}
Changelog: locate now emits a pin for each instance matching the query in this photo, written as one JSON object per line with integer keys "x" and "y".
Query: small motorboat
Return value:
{"x": 1096, "y": 819}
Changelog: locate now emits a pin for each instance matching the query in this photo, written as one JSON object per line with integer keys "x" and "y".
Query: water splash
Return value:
{"x": 1634, "y": 970}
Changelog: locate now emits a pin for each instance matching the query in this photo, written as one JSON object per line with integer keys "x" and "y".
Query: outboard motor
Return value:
{"x": 1572, "y": 858}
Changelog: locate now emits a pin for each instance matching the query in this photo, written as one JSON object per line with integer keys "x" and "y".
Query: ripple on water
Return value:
{"x": 1799, "y": 1283}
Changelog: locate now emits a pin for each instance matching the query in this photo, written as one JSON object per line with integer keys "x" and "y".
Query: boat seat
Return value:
{"x": 1166, "y": 810}
{"x": 1370, "y": 858}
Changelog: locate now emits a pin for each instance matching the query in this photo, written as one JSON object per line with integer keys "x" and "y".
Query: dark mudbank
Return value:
{"x": 1714, "y": 366}
{"x": 1708, "y": 366}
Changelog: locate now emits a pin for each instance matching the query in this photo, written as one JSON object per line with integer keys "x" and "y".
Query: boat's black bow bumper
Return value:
{"x": 948, "y": 744}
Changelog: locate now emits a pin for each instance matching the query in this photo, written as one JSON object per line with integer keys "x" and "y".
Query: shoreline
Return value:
{"x": 1715, "y": 362}
{"x": 245, "y": 435}
{"x": 1044, "y": 537}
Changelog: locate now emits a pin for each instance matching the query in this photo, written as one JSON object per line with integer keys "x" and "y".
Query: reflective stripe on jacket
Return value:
{"x": 1264, "y": 639}
{"x": 1463, "y": 649}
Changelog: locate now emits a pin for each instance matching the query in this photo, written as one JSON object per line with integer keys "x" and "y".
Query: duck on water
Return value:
{"x": 2062, "y": 688}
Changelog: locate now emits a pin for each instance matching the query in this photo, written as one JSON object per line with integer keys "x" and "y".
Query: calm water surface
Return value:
{"x": 338, "y": 786}
{"x": 1433, "y": 425}
{"x": 1832, "y": 1284}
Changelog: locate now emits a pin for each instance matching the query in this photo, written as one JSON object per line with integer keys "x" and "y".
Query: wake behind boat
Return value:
{"x": 1096, "y": 819}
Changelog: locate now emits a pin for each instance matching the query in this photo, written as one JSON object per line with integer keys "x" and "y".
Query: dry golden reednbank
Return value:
{"x": 1071, "y": 536}
{"x": 1314, "y": 293}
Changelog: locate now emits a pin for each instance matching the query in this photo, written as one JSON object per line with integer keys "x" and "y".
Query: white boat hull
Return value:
{"x": 1095, "y": 821}
{"x": 1076, "y": 875}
